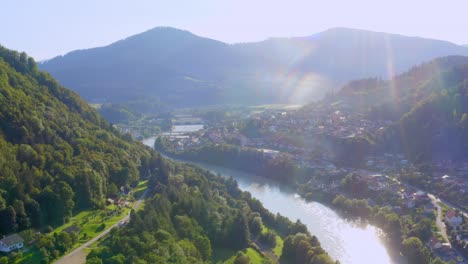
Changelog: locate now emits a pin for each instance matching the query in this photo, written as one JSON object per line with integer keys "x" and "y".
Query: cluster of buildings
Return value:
{"x": 335, "y": 119}
{"x": 120, "y": 199}
{"x": 280, "y": 132}
{"x": 459, "y": 239}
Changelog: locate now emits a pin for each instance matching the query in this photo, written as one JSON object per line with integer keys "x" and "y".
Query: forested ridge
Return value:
{"x": 194, "y": 214}
{"x": 59, "y": 157}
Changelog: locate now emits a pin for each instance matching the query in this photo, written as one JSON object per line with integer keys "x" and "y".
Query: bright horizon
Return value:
{"x": 45, "y": 29}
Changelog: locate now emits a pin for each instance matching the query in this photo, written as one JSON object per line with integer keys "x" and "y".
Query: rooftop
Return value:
{"x": 12, "y": 240}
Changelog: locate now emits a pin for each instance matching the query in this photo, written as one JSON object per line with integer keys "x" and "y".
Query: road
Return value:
{"x": 465, "y": 213}
{"x": 436, "y": 201}
{"x": 443, "y": 229}
{"x": 78, "y": 256}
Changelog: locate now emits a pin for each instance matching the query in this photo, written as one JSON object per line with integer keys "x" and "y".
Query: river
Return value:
{"x": 346, "y": 241}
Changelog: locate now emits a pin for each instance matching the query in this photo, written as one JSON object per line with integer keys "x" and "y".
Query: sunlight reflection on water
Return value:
{"x": 346, "y": 241}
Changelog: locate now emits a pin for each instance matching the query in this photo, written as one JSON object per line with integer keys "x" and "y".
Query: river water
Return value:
{"x": 346, "y": 241}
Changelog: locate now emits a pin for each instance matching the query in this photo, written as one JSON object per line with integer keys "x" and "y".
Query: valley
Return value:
{"x": 282, "y": 199}
{"x": 233, "y": 132}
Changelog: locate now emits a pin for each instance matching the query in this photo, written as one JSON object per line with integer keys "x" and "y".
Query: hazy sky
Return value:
{"x": 46, "y": 28}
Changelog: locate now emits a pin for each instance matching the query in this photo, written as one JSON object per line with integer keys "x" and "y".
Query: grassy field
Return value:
{"x": 279, "y": 246}
{"x": 254, "y": 256}
{"x": 141, "y": 187}
{"x": 279, "y": 243}
{"x": 91, "y": 223}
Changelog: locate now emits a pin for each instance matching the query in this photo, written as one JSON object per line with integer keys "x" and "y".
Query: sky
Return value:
{"x": 47, "y": 28}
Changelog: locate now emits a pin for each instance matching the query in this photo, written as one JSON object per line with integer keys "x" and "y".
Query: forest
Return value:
{"x": 250, "y": 160}
{"x": 193, "y": 214}
{"x": 58, "y": 156}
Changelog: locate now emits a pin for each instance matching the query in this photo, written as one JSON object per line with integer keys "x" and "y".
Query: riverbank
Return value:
{"x": 336, "y": 233}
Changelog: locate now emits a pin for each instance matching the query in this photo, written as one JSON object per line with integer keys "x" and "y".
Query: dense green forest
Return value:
{"x": 250, "y": 160}
{"x": 58, "y": 156}
{"x": 193, "y": 214}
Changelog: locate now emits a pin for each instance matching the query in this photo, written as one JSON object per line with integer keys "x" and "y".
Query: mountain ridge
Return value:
{"x": 163, "y": 62}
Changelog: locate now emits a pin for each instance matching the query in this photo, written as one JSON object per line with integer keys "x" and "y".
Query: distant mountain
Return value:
{"x": 182, "y": 69}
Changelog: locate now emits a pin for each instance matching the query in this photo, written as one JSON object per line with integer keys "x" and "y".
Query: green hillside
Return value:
{"x": 428, "y": 105}
{"x": 57, "y": 154}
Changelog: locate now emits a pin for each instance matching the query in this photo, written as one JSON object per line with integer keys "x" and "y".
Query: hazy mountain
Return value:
{"x": 183, "y": 69}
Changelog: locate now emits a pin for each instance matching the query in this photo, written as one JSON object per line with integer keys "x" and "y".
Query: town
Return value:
{"x": 305, "y": 135}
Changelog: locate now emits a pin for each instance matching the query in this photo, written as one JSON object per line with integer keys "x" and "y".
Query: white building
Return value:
{"x": 10, "y": 243}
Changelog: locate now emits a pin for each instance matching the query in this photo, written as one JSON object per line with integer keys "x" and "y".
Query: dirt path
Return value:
{"x": 78, "y": 256}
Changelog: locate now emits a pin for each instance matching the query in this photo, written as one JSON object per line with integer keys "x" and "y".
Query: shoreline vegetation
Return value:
{"x": 210, "y": 219}
{"x": 397, "y": 240}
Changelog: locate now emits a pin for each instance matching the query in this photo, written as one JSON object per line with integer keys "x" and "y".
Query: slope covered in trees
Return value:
{"x": 57, "y": 155}
{"x": 183, "y": 69}
{"x": 429, "y": 105}
{"x": 195, "y": 214}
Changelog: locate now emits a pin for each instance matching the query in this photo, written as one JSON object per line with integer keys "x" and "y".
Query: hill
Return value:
{"x": 428, "y": 105}
{"x": 182, "y": 69}
{"x": 58, "y": 157}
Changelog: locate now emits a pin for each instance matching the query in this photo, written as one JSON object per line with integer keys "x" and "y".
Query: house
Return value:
{"x": 10, "y": 243}
{"x": 420, "y": 196}
{"x": 122, "y": 202}
{"x": 434, "y": 243}
{"x": 124, "y": 191}
{"x": 109, "y": 201}
{"x": 453, "y": 219}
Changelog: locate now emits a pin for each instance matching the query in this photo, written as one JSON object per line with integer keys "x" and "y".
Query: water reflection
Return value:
{"x": 346, "y": 241}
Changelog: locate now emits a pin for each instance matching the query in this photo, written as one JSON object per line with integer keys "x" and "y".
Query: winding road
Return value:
{"x": 78, "y": 256}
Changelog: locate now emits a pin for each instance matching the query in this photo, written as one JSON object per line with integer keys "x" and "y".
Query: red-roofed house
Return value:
{"x": 434, "y": 243}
